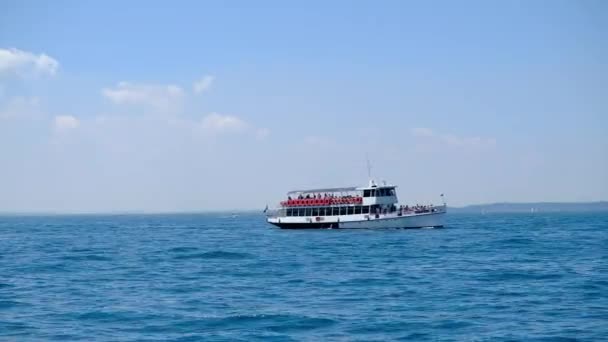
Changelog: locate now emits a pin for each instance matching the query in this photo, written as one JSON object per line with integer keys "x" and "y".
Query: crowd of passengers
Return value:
{"x": 319, "y": 196}
{"x": 406, "y": 209}
{"x": 417, "y": 208}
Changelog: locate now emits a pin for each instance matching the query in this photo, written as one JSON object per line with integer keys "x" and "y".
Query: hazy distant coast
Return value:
{"x": 541, "y": 207}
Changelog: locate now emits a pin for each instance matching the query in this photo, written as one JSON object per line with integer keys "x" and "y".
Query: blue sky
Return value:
{"x": 159, "y": 106}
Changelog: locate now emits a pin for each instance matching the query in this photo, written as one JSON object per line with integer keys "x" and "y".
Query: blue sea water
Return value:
{"x": 213, "y": 277}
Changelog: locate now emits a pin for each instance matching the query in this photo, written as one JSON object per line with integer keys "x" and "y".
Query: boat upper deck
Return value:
{"x": 341, "y": 196}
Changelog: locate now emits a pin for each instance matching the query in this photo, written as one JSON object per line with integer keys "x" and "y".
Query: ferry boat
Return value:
{"x": 372, "y": 206}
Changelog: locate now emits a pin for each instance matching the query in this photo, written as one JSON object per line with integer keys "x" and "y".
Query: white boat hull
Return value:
{"x": 420, "y": 220}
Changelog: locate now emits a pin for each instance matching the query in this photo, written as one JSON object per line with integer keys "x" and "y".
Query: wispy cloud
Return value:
{"x": 64, "y": 123}
{"x": 20, "y": 107}
{"x": 262, "y": 133}
{"x": 316, "y": 140}
{"x": 203, "y": 84}
{"x": 216, "y": 124}
{"x": 430, "y": 135}
{"x": 23, "y": 62}
{"x": 422, "y": 132}
{"x": 154, "y": 95}
{"x": 220, "y": 123}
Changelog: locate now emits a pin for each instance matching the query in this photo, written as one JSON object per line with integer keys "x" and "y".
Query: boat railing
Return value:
{"x": 312, "y": 202}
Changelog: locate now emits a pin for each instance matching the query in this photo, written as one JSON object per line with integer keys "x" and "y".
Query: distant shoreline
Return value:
{"x": 533, "y": 207}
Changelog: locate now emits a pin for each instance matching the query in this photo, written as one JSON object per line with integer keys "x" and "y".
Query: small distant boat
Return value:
{"x": 372, "y": 206}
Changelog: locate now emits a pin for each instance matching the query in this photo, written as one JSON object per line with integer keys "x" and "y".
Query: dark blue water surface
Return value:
{"x": 217, "y": 277}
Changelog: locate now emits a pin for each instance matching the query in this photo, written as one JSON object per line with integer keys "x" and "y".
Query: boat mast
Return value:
{"x": 369, "y": 171}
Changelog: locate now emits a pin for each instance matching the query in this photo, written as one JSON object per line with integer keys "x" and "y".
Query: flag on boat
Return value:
{"x": 266, "y": 209}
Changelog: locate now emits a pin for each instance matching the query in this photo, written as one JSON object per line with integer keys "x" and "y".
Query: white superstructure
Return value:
{"x": 373, "y": 206}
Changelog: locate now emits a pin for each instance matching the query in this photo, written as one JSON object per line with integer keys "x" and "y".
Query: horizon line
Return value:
{"x": 234, "y": 210}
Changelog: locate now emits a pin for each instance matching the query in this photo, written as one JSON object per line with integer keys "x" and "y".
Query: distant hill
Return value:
{"x": 541, "y": 207}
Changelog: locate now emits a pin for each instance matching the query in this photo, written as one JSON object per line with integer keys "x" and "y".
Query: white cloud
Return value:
{"x": 65, "y": 123}
{"x": 158, "y": 96}
{"x": 450, "y": 139}
{"x": 203, "y": 84}
{"x": 23, "y": 62}
{"x": 218, "y": 123}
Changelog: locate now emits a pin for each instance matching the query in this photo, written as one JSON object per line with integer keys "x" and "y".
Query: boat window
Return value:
{"x": 308, "y": 212}
{"x": 328, "y": 211}
{"x": 334, "y": 211}
{"x": 365, "y": 209}
{"x": 391, "y": 192}
{"x": 373, "y": 193}
{"x": 300, "y": 211}
{"x": 289, "y": 212}
{"x": 367, "y": 193}
{"x": 342, "y": 210}
{"x": 315, "y": 211}
{"x": 351, "y": 210}
{"x": 358, "y": 209}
